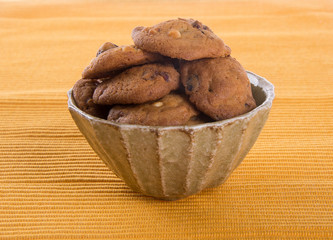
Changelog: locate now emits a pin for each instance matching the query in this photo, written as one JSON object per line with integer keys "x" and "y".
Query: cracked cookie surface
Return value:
{"x": 180, "y": 38}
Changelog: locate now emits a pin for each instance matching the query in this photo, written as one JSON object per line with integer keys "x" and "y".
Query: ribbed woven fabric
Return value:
{"x": 52, "y": 184}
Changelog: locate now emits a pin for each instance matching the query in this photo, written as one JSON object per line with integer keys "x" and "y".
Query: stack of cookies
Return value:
{"x": 177, "y": 73}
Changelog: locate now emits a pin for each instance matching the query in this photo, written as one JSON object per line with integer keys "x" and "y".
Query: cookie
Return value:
{"x": 219, "y": 87}
{"x": 173, "y": 109}
{"x": 198, "y": 119}
{"x": 105, "y": 46}
{"x": 118, "y": 58}
{"x": 83, "y": 91}
{"x": 138, "y": 85}
{"x": 180, "y": 38}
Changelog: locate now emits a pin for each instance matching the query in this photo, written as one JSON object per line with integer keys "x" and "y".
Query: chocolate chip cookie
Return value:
{"x": 219, "y": 87}
{"x": 199, "y": 119}
{"x": 113, "y": 59}
{"x": 138, "y": 85}
{"x": 173, "y": 109}
{"x": 180, "y": 38}
{"x": 83, "y": 91}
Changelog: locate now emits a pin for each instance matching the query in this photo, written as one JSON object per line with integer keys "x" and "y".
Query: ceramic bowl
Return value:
{"x": 176, "y": 161}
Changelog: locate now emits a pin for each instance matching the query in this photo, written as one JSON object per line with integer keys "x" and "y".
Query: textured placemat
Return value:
{"x": 53, "y": 186}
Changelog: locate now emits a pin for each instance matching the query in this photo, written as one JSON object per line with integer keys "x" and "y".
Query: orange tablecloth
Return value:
{"x": 53, "y": 186}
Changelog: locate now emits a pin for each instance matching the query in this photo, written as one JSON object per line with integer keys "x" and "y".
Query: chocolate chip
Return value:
{"x": 192, "y": 82}
{"x": 148, "y": 75}
{"x": 200, "y": 26}
{"x": 119, "y": 114}
{"x": 210, "y": 88}
{"x": 106, "y": 46}
{"x": 99, "y": 52}
{"x": 197, "y": 24}
{"x": 206, "y": 28}
{"x": 165, "y": 76}
{"x": 247, "y": 105}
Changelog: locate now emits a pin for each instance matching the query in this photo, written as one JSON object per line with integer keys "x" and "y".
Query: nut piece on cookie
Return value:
{"x": 105, "y": 46}
{"x": 173, "y": 109}
{"x": 138, "y": 85}
{"x": 118, "y": 58}
{"x": 174, "y": 33}
{"x": 83, "y": 91}
{"x": 219, "y": 87}
{"x": 180, "y": 38}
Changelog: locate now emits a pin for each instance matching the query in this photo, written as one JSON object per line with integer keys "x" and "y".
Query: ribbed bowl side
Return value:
{"x": 116, "y": 152}
{"x": 226, "y": 151}
{"x": 173, "y": 151}
{"x": 142, "y": 152}
{"x": 251, "y": 133}
{"x": 203, "y": 147}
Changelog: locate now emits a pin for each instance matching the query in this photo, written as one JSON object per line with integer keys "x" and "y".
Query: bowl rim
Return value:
{"x": 256, "y": 80}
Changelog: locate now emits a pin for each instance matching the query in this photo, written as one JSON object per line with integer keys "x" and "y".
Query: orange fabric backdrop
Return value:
{"x": 52, "y": 185}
